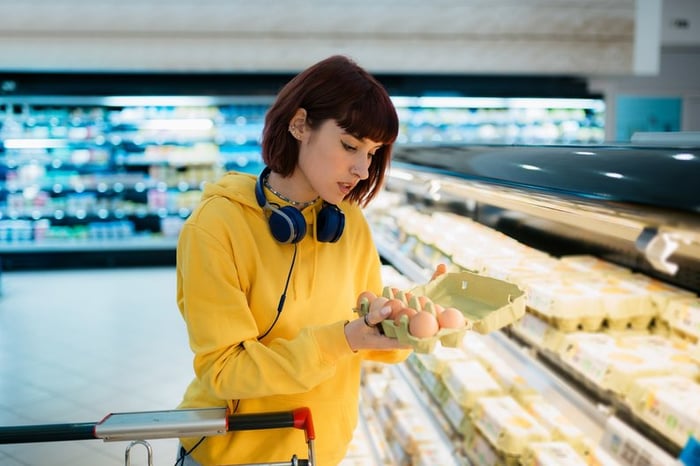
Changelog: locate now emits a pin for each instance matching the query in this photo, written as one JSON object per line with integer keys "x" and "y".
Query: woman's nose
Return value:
{"x": 361, "y": 168}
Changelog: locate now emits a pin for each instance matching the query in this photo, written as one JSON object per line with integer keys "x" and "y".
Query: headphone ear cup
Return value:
{"x": 287, "y": 225}
{"x": 330, "y": 224}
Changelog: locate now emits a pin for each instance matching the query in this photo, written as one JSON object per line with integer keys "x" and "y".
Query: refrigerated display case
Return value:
{"x": 86, "y": 175}
{"x": 81, "y": 174}
{"x": 605, "y": 241}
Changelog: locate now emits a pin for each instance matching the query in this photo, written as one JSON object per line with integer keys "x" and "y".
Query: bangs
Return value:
{"x": 373, "y": 117}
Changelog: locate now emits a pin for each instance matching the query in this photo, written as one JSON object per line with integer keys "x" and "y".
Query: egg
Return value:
{"x": 451, "y": 318}
{"x": 404, "y": 311}
{"x": 423, "y": 300}
{"x": 423, "y": 325}
{"x": 396, "y": 305}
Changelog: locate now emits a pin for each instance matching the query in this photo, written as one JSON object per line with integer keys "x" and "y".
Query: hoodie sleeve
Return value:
{"x": 228, "y": 358}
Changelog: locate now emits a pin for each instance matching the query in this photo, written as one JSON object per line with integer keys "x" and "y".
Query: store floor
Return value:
{"x": 77, "y": 345}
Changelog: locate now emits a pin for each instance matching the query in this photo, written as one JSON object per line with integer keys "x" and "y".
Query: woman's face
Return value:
{"x": 333, "y": 161}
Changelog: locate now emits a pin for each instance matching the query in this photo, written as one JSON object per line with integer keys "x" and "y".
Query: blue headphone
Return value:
{"x": 288, "y": 225}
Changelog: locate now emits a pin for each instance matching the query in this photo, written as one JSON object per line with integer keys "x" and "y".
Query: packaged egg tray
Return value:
{"x": 481, "y": 453}
{"x": 683, "y": 318}
{"x": 669, "y": 403}
{"x": 551, "y": 454}
{"x": 506, "y": 424}
{"x": 487, "y": 303}
{"x": 612, "y": 364}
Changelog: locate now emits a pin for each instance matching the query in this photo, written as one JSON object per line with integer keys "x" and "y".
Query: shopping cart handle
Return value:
{"x": 47, "y": 433}
{"x": 299, "y": 418}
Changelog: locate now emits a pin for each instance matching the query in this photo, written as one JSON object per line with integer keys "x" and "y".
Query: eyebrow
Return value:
{"x": 359, "y": 138}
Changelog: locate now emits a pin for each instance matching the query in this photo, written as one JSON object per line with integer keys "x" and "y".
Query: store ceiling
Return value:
{"x": 443, "y": 36}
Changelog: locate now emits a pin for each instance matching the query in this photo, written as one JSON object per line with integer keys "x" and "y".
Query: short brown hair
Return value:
{"x": 335, "y": 88}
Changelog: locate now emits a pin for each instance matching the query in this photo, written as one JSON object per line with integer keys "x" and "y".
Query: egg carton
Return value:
{"x": 594, "y": 323}
{"x": 481, "y": 453}
{"x": 488, "y": 304}
{"x": 553, "y": 453}
{"x": 507, "y": 426}
{"x": 683, "y": 317}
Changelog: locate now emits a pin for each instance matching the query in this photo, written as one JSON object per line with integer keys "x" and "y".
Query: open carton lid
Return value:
{"x": 488, "y": 303}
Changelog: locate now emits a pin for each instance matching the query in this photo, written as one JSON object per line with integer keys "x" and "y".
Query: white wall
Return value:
{"x": 679, "y": 76}
{"x": 455, "y": 36}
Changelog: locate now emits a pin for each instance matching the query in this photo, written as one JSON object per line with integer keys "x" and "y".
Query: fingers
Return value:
{"x": 372, "y": 319}
{"x": 439, "y": 270}
{"x": 366, "y": 332}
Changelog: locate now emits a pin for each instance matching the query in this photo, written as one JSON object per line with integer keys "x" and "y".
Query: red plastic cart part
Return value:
{"x": 300, "y": 418}
{"x": 160, "y": 424}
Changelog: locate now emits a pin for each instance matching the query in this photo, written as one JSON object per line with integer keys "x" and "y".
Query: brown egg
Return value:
{"x": 396, "y": 305}
{"x": 451, "y": 318}
{"x": 423, "y": 325}
{"x": 407, "y": 311}
{"x": 423, "y": 300}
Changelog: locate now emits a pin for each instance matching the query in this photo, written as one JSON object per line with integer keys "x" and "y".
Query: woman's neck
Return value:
{"x": 284, "y": 189}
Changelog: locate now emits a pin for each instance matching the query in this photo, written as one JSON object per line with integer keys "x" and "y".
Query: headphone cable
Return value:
{"x": 283, "y": 297}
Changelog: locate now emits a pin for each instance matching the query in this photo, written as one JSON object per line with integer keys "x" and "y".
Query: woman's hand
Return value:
{"x": 441, "y": 269}
{"x": 363, "y": 333}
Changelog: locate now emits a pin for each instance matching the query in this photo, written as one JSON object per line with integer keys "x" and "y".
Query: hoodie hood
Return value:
{"x": 240, "y": 188}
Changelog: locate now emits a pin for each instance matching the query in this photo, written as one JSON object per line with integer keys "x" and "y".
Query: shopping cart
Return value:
{"x": 138, "y": 427}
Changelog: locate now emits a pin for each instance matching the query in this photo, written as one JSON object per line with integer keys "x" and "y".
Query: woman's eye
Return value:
{"x": 348, "y": 147}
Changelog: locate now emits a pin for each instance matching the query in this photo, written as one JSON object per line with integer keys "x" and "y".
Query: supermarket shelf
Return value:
{"x": 621, "y": 192}
{"x": 400, "y": 261}
{"x": 127, "y": 244}
{"x": 589, "y": 409}
{"x": 589, "y": 414}
{"x": 427, "y": 404}
{"x": 608, "y": 403}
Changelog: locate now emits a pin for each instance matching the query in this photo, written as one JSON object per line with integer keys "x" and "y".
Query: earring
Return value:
{"x": 294, "y": 131}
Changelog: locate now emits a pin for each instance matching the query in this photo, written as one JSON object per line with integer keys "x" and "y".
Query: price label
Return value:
{"x": 629, "y": 447}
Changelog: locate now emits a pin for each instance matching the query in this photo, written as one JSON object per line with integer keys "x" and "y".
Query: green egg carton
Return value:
{"x": 488, "y": 304}
{"x": 446, "y": 336}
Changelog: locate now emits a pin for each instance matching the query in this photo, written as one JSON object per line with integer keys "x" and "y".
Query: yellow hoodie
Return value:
{"x": 231, "y": 273}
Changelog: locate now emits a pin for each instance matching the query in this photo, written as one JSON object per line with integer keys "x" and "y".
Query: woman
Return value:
{"x": 269, "y": 269}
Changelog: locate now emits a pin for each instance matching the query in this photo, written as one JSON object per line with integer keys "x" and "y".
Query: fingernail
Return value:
{"x": 385, "y": 311}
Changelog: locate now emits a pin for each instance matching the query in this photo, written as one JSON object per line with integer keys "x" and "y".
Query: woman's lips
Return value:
{"x": 345, "y": 188}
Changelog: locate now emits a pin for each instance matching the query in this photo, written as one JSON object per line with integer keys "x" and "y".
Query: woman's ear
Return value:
{"x": 297, "y": 125}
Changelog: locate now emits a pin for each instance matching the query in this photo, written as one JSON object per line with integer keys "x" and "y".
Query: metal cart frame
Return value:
{"x": 148, "y": 425}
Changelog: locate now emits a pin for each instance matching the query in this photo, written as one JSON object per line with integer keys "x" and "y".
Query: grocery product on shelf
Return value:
{"x": 683, "y": 318}
{"x": 612, "y": 329}
{"x": 468, "y": 381}
{"x": 68, "y": 163}
{"x": 614, "y": 363}
{"x": 551, "y": 454}
{"x": 53, "y": 144}
{"x": 513, "y": 383}
{"x": 671, "y": 403}
{"x": 506, "y": 424}
{"x": 406, "y": 432}
{"x": 555, "y": 421}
